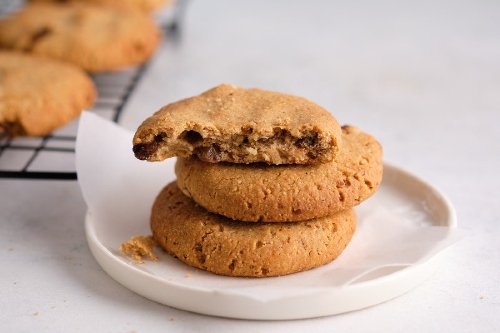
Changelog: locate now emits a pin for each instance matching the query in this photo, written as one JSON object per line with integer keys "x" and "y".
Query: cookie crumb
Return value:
{"x": 482, "y": 297}
{"x": 170, "y": 319}
{"x": 36, "y": 313}
{"x": 139, "y": 246}
{"x": 189, "y": 275}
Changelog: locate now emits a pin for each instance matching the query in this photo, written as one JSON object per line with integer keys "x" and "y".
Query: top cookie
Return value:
{"x": 143, "y": 5}
{"x": 38, "y": 95}
{"x": 232, "y": 124}
{"x": 94, "y": 38}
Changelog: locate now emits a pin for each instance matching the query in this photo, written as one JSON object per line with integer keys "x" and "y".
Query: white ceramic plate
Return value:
{"x": 172, "y": 283}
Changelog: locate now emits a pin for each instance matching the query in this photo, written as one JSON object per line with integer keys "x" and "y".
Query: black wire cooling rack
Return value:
{"x": 53, "y": 156}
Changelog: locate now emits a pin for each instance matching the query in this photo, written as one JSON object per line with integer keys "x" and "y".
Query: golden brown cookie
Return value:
{"x": 281, "y": 193}
{"x": 143, "y": 5}
{"x": 222, "y": 246}
{"x": 38, "y": 95}
{"x": 95, "y": 38}
{"x": 231, "y": 124}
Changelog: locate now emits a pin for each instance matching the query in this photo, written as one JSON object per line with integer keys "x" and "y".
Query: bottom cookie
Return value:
{"x": 223, "y": 246}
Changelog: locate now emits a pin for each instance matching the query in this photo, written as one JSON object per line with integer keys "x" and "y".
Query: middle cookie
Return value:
{"x": 286, "y": 193}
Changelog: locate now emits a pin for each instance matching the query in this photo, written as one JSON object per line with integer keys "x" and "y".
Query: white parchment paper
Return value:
{"x": 393, "y": 231}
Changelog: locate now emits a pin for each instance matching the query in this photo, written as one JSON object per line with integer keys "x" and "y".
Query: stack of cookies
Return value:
{"x": 48, "y": 47}
{"x": 266, "y": 182}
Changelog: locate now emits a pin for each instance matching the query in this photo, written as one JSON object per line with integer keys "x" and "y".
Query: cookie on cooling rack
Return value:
{"x": 282, "y": 193}
{"x": 222, "y": 246}
{"x": 97, "y": 39}
{"x": 231, "y": 124}
{"x": 143, "y": 5}
{"x": 38, "y": 95}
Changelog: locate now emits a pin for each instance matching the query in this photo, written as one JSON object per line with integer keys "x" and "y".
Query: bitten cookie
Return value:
{"x": 281, "y": 193}
{"x": 95, "y": 38}
{"x": 38, "y": 95}
{"x": 222, "y": 246}
{"x": 143, "y": 5}
{"x": 231, "y": 124}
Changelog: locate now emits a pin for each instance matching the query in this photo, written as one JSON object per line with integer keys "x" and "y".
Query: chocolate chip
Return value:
{"x": 210, "y": 154}
{"x": 306, "y": 142}
{"x": 37, "y": 36}
{"x": 143, "y": 151}
{"x": 349, "y": 129}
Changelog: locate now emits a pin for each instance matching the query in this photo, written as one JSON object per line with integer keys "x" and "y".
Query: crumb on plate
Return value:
{"x": 139, "y": 246}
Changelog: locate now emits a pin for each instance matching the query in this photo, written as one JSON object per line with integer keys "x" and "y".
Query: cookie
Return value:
{"x": 97, "y": 39}
{"x": 281, "y": 193}
{"x": 143, "y": 5}
{"x": 231, "y": 124}
{"x": 38, "y": 95}
{"x": 222, "y": 246}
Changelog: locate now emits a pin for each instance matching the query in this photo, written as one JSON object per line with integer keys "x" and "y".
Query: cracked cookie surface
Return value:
{"x": 282, "y": 193}
{"x": 38, "y": 95}
{"x": 97, "y": 39}
{"x": 222, "y": 246}
{"x": 231, "y": 124}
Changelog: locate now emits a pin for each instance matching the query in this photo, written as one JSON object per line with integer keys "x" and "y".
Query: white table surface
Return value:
{"x": 423, "y": 77}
